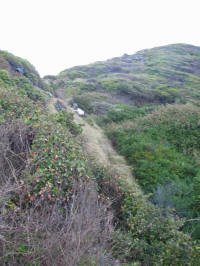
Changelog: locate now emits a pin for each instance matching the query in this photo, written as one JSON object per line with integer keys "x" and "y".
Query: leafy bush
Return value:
{"x": 50, "y": 210}
{"x": 144, "y": 234}
{"x": 85, "y": 103}
{"x": 76, "y": 74}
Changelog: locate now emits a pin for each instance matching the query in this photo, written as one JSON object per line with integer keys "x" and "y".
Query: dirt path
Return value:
{"x": 97, "y": 145}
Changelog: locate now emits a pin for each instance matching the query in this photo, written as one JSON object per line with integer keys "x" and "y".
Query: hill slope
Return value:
{"x": 97, "y": 146}
{"x": 59, "y": 207}
{"x": 123, "y": 93}
{"x": 46, "y": 187}
{"x": 18, "y": 72}
{"x": 165, "y": 74}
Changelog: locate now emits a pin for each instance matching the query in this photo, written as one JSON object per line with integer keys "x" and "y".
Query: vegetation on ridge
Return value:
{"x": 168, "y": 74}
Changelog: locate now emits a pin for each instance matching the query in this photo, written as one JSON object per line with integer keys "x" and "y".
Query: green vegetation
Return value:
{"x": 93, "y": 102}
{"x": 22, "y": 83}
{"x": 122, "y": 112}
{"x": 163, "y": 148}
{"x": 20, "y": 69}
{"x": 168, "y": 74}
{"x": 161, "y": 143}
{"x": 46, "y": 188}
{"x": 45, "y": 184}
{"x": 58, "y": 207}
{"x": 144, "y": 233}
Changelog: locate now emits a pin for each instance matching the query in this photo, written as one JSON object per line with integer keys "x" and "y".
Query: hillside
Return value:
{"x": 18, "y": 72}
{"x": 47, "y": 191}
{"x": 66, "y": 196}
{"x": 148, "y": 104}
{"x": 168, "y": 74}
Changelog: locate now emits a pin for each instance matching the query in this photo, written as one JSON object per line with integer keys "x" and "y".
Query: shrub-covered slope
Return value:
{"x": 163, "y": 149}
{"x": 162, "y": 144}
{"x": 59, "y": 208}
{"x": 155, "y": 76}
{"x": 18, "y": 72}
{"x": 128, "y": 91}
{"x": 49, "y": 207}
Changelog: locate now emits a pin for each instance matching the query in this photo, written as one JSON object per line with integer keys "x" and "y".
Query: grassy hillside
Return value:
{"x": 58, "y": 207}
{"x": 160, "y": 143}
{"x": 168, "y": 74}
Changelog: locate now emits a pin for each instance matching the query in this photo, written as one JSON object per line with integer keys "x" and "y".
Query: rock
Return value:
{"x": 20, "y": 70}
{"x": 59, "y": 106}
{"x": 75, "y": 106}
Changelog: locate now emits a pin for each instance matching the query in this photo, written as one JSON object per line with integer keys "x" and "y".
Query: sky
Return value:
{"x": 57, "y": 34}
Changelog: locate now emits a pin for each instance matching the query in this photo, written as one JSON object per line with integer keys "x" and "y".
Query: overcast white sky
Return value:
{"x": 56, "y": 34}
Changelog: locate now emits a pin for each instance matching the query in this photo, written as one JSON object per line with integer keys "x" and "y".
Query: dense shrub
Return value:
{"x": 50, "y": 210}
{"x": 144, "y": 235}
{"x": 162, "y": 147}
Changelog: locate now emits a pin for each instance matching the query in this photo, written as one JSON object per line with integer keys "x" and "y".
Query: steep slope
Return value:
{"x": 136, "y": 239}
{"x": 124, "y": 94}
{"x": 18, "y": 72}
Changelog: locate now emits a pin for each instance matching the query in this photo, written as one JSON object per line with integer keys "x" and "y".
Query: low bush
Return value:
{"x": 144, "y": 235}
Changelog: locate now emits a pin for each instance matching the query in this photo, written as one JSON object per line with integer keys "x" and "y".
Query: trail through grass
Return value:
{"x": 96, "y": 144}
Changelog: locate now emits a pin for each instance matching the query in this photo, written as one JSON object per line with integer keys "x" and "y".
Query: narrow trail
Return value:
{"x": 97, "y": 145}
